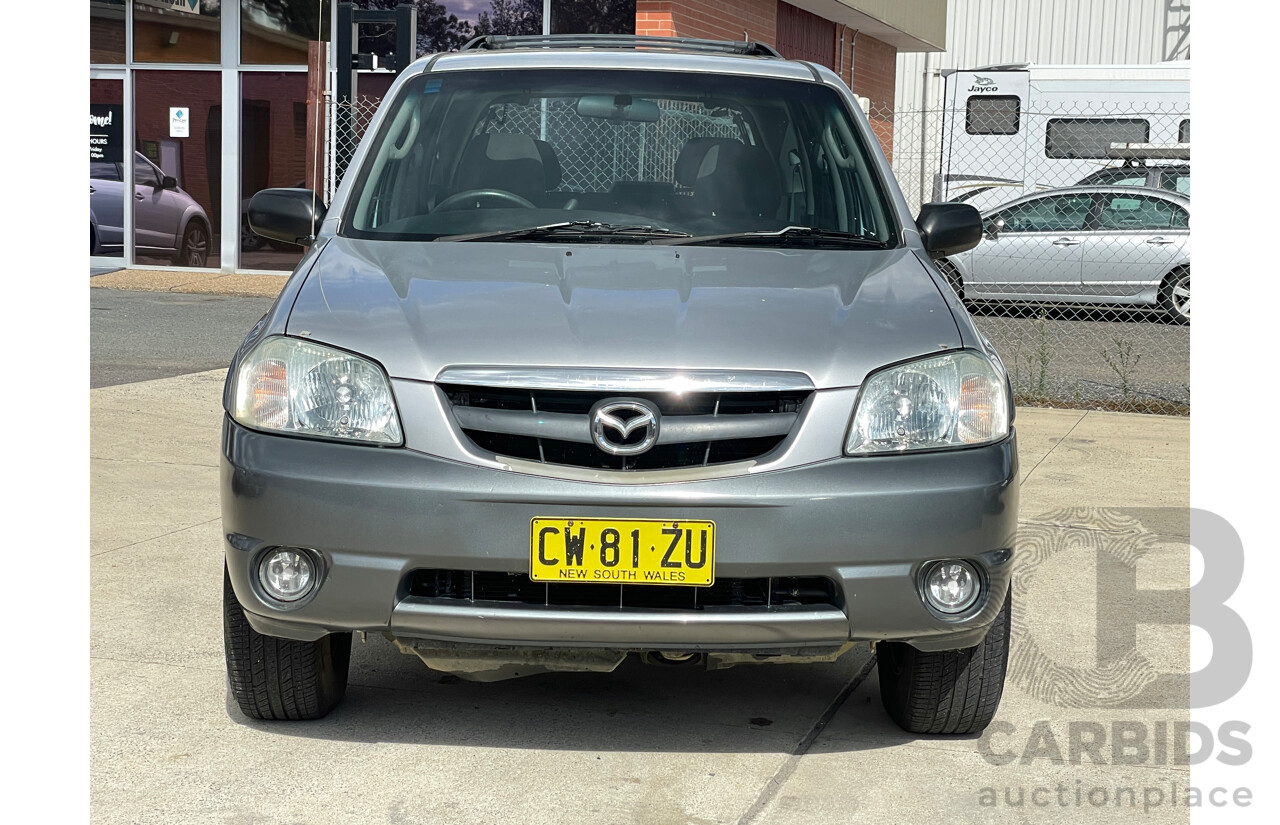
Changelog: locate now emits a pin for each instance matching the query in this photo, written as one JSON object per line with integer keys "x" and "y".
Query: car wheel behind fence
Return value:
{"x": 1175, "y": 296}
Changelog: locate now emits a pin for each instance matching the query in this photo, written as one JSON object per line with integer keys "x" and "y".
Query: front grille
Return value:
{"x": 554, "y": 426}
{"x": 517, "y": 588}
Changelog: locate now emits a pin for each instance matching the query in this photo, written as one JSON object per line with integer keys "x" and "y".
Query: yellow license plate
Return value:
{"x": 622, "y": 551}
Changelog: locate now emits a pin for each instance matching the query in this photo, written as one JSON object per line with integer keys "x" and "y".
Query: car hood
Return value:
{"x": 418, "y": 307}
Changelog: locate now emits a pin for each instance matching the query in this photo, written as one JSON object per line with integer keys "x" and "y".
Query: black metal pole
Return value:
{"x": 406, "y": 36}
{"x": 344, "y": 119}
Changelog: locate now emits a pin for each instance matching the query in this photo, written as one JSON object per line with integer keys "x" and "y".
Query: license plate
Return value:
{"x": 622, "y": 551}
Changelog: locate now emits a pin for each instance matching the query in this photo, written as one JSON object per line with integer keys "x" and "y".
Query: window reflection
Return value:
{"x": 274, "y": 151}
{"x": 177, "y": 31}
{"x": 442, "y": 26}
{"x": 106, "y": 31}
{"x": 106, "y": 180}
{"x": 510, "y": 17}
{"x": 593, "y": 16}
{"x": 279, "y": 31}
{"x": 177, "y": 195}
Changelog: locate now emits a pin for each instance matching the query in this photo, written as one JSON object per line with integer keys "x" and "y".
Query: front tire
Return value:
{"x": 945, "y": 691}
{"x": 1175, "y": 296}
{"x": 194, "y": 250}
{"x": 273, "y": 678}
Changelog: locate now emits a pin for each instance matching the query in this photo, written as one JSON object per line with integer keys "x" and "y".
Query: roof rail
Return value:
{"x": 617, "y": 41}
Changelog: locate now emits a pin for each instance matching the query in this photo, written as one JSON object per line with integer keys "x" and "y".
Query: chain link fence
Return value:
{"x": 641, "y": 152}
{"x": 1084, "y": 293}
{"x": 348, "y": 121}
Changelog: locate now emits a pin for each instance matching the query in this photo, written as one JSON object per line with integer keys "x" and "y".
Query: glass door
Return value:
{"x": 108, "y": 175}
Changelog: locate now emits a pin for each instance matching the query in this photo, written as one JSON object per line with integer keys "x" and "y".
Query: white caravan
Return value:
{"x": 1012, "y": 130}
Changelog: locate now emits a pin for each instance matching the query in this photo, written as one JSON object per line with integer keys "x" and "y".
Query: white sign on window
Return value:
{"x": 179, "y": 121}
{"x": 192, "y": 6}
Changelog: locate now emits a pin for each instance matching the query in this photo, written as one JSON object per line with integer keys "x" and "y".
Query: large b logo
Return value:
{"x": 1122, "y": 675}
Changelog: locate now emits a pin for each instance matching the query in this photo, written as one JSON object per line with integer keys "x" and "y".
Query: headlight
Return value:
{"x": 951, "y": 400}
{"x": 309, "y": 389}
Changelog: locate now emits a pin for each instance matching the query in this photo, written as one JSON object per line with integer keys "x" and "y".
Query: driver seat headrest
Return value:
{"x": 515, "y": 163}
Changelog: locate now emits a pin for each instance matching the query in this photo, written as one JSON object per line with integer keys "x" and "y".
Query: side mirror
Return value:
{"x": 168, "y": 182}
{"x": 949, "y": 228}
{"x": 994, "y": 227}
{"x": 289, "y": 215}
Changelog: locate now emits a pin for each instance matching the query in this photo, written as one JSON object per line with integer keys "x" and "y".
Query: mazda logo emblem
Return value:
{"x": 615, "y": 423}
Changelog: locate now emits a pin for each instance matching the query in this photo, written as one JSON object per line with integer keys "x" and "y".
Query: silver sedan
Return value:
{"x": 1087, "y": 244}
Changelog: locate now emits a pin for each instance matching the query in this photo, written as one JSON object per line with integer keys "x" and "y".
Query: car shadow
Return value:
{"x": 393, "y": 698}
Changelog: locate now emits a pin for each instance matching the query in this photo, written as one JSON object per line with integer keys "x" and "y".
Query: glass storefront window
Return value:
{"x": 178, "y": 138}
{"x": 106, "y": 175}
{"x": 106, "y": 31}
{"x": 510, "y": 17}
{"x": 593, "y": 16}
{"x": 177, "y": 31}
{"x": 274, "y": 151}
{"x": 442, "y": 26}
{"x": 278, "y": 31}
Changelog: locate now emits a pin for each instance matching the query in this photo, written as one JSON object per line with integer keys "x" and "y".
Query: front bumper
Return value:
{"x": 375, "y": 515}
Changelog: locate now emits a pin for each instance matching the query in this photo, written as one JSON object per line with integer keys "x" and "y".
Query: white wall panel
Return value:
{"x": 986, "y": 32}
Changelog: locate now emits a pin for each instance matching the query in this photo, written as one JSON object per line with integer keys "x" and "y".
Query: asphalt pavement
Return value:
{"x": 141, "y": 336}
{"x": 757, "y": 744}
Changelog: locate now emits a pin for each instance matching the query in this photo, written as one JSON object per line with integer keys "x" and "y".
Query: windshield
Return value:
{"x": 617, "y": 154}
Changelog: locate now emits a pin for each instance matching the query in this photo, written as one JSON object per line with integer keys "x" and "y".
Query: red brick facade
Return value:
{"x": 863, "y": 62}
{"x": 874, "y": 64}
{"x": 712, "y": 19}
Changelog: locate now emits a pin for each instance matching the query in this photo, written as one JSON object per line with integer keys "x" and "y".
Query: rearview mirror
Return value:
{"x": 619, "y": 107}
{"x": 168, "y": 182}
{"x": 994, "y": 227}
{"x": 290, "y": 215}
{"x": 949, "y": 228}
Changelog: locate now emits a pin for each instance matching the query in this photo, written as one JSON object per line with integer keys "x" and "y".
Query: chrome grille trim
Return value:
{"x": 558, "y": 426}
{"x": 676, "y": 429}
{"x": 625, "y": 380}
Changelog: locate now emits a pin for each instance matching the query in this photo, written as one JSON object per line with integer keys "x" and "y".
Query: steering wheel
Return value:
{"x": 453, "y": 201}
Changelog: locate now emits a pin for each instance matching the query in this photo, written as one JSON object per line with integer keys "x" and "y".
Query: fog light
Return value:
{"x": 952, "y": 586}
{"x": 287, "y": 574}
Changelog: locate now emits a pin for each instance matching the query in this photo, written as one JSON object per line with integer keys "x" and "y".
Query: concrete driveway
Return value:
{"x": 765, "y": 744}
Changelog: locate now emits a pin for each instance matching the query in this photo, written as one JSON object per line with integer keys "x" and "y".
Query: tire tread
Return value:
{"x": 945, "y": 691}
{"x": 273, "y": 678}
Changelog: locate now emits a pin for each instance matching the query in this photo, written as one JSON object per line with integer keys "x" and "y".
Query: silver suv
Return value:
{"x": 610, "y": 347}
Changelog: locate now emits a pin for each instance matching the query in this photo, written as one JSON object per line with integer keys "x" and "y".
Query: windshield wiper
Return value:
{"x": 788, "y": 236}
{"x": 572, "y": 229}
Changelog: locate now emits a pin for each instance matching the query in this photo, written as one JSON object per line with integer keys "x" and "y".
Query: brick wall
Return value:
{"x": 278, "y": 140}
{"x": 866, "y": 64}
{"x": 873, "y": 77}
{"x": 711, "y": 19}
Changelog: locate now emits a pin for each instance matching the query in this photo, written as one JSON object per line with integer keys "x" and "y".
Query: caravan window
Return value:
{"x": 992, "y": 115}
{"x": 1184, "y": 131}
{"x": 1091, "y": 137}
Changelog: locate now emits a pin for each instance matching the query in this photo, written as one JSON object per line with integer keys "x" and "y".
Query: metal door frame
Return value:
{"x": 126, "y": 252}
